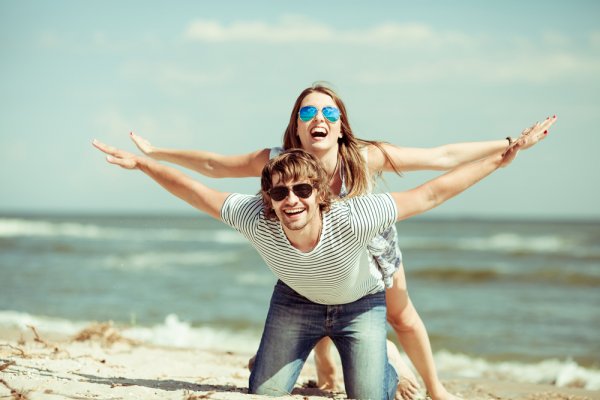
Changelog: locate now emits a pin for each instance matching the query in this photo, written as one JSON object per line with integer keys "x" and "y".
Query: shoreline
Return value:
{"x": 100, "y": 363}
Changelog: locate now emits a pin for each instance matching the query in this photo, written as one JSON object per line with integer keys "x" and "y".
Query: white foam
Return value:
{"x": 162, "y": 260}
{"x": 15, "y": 227}
{"x": 515, "y": 243}
{"x": 177, "y": 333}
{"x": 507, "y": 242}
{"x": 552, "y": 371}
{"x": 22, "y": 227}
{"x": 174, "y": 332}
{"x": 22, "y": 321}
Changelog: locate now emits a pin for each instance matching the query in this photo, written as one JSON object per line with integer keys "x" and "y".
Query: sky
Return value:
{"x": 223, "y": 76}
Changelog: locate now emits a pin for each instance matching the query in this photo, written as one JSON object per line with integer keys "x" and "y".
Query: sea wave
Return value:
{"x": 172, "y": 332}
{"x": 182, "y": 334}
{"x": 491, "y": 274}
{"x": 15, "y": 227}
{"x": 510, "y": 243}
{"x": 161, "y": 260}
{"x": 562, "y": 373}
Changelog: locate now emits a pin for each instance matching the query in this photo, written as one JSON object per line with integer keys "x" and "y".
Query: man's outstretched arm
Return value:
{"x": 193, "y": 192}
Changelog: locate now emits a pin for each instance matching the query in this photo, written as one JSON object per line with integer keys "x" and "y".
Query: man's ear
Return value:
{"x": 320, "y": 197}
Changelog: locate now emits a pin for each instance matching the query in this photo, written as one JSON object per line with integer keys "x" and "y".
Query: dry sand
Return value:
{"x": 100, "y": 364}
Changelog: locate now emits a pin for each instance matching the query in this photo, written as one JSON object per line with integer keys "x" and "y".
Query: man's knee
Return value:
{"x": 270, "y": 384}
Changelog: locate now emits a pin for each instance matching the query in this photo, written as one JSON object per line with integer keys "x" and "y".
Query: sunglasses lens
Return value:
{"x": 331, "y": 113}
{"x": 307, "y": 113}
{"x": 278, "y": 193}
{"x": 303, "y": 190}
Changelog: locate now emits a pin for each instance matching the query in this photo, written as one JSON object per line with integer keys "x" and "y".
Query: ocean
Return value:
{"x": 505, "y": 299}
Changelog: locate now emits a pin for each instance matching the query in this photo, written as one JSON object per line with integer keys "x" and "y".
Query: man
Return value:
{"x": 315, "y": 247}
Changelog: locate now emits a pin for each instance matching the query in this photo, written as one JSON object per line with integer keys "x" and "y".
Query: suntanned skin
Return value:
{"x": 401, "y": 313}
{"x": 412, "y": 202}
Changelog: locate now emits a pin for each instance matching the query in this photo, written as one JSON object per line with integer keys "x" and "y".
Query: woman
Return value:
{"x": 319, "y": 124}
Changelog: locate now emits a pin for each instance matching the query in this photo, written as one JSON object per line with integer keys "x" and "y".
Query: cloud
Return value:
{"x": 301, "y": 29}
{"x": 175, "y": 79}
{"x": 417, "y": 52}
{"x": 499, "y": 68}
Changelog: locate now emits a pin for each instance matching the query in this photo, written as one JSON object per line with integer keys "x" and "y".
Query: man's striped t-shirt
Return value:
{"x": 337, "y": 270}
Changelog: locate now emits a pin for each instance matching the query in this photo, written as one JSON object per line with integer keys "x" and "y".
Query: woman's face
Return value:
{"x": 319, "y": 134}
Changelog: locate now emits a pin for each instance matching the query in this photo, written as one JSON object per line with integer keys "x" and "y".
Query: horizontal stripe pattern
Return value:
{"x": 337, "y": 270}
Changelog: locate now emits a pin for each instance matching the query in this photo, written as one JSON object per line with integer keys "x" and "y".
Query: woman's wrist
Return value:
{"x": 154, "y": 153}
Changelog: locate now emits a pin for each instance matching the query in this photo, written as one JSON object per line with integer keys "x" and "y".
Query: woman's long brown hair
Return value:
{"x": 356, "y": 173}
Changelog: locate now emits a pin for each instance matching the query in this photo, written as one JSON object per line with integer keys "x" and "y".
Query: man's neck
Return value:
{"x": 307, "y": 238}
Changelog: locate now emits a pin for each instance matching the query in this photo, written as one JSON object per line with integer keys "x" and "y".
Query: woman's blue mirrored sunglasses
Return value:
{"x": 307, "y": 113}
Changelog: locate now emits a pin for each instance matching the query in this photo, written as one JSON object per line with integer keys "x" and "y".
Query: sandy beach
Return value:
{"x": 99, "y": 363}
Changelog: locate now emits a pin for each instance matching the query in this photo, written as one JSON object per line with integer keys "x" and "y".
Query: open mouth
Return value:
{"x": 318, "y": 133}
{"x": 295, "y": 211}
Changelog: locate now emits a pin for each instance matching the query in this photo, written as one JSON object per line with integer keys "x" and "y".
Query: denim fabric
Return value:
{"x": 295, "y": 324}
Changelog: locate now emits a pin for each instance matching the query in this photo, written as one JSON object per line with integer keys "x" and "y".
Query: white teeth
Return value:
{"x": 294, "y": 211}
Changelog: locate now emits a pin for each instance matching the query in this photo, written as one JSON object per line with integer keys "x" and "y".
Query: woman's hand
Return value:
{"x": 142, "y": 144}
{"x": 528, "y": 138}
{"x": 118, "y": 157}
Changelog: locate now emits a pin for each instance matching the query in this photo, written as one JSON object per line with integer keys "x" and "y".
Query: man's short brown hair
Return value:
{"x": 295, "y": 165}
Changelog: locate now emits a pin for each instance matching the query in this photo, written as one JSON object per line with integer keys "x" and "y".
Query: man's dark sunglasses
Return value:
{"x": 303, "y": 190}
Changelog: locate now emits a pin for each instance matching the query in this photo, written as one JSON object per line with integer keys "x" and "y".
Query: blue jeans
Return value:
{"x": 295, "y": 324}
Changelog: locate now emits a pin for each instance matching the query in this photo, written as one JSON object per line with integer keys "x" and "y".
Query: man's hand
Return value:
{"x": 118, "y": 157}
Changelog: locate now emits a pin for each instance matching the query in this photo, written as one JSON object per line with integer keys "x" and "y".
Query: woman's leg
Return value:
{"x": 325, "y": 365}
{"x": 403, "y": 317}
{"x": 408, "y": 385}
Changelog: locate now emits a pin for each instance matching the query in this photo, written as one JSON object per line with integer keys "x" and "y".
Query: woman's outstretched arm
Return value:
{"x": 441, "y": 158}
{"x": 207, "y": 163}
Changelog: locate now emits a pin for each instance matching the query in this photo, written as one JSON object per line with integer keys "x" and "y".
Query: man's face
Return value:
{"x": 295, "y": 212}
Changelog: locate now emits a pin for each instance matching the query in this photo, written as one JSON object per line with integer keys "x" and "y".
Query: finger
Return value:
{"x": 407, "y": 387}
{"x": 542, "y": 131}
{"x": 549, "y": 122}
{"x": 414, "y": 387}
{"x": 99, "y": 145}
{"x": 412, "y": 390}
{"x": 135, "y": 137}
{"x": 105, "y": 148}
{"x": 525, "y": 131}
{"x": 546, "y": 124}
